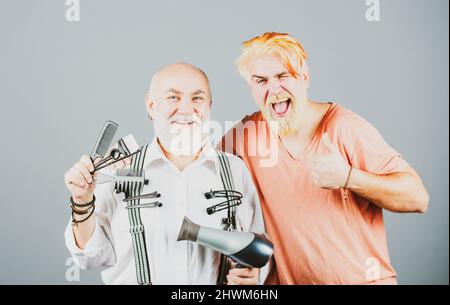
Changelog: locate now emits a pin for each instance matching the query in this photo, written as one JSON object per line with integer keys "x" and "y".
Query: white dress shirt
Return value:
{"x": 182, "y": 194}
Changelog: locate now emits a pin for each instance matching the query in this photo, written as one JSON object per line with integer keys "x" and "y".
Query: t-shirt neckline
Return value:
{"x": 313, "y": 139}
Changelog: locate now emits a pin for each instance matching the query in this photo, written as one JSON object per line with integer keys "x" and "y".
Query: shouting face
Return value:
{"x": 277, "y": 92}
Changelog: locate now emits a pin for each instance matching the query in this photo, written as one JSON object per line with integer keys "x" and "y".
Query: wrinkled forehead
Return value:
{"x": 266, "y": 66}
{"x": 184, "y": 81}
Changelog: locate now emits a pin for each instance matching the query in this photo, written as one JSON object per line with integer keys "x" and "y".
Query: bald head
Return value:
{"x": 173, "y": 73}
{"x": 179, "y": 99}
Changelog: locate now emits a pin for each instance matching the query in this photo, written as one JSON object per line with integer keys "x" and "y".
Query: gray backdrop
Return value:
{"x": 60, "y": 81}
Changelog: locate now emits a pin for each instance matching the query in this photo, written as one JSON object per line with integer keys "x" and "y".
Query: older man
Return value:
{"x": 181, "y": 166}
{"x": 329, "y": 177}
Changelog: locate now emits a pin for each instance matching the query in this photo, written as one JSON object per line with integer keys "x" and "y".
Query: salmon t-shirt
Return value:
{"x": 320, "y": 236}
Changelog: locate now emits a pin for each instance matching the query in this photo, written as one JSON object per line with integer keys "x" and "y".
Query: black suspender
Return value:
{"x": 233, "y": 199}
{"x": 132, "y": 184}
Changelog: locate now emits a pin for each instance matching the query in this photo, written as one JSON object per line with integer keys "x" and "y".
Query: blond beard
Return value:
{"x": 287, "y": 126}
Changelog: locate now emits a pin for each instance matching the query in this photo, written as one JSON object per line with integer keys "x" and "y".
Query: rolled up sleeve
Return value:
{"x": 99, "y": 251}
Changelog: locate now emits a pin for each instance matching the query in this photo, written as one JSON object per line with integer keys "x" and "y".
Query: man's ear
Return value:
{"x": 306, "y": 78}
{"x": 149, "y": 106}
{"x": 306, "y": 75}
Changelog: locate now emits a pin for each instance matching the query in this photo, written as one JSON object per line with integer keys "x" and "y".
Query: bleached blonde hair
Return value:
{"x": 291, "y": 52}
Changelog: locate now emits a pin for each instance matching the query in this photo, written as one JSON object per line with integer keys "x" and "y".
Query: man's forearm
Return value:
{"x": 399, "y": 192}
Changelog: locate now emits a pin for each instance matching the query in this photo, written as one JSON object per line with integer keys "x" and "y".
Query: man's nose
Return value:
{"x": 274, "y": 87}
{"x": 186, "y": 106}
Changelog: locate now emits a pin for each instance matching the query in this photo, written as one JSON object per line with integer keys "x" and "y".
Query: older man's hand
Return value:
{"x": 243, "y": 276}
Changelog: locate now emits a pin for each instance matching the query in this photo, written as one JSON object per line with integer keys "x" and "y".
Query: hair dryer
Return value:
{"x": 247, "y": 249}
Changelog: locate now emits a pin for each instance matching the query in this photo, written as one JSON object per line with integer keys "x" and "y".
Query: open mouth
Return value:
{"x": 281, "y": 107}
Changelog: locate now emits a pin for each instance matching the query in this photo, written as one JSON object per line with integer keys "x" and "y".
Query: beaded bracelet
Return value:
{"x": 348, "y": 177}
{"x": 84, "y": 219}
{"x": 82, "y": 205}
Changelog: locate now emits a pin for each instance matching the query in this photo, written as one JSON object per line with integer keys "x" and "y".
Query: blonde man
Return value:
{"x": 334, "y": 174}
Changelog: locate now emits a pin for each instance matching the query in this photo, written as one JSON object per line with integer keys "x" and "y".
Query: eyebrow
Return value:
{"x": 265, "y": 77}
{"x": 282, "y": 73}
{"x": 198, "y": 92}
{"x": 257, "y": 76}
{"x": 171, "y": 90}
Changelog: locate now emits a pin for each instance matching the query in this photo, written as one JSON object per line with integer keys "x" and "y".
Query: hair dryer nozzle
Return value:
{"x": 188, "y": 231}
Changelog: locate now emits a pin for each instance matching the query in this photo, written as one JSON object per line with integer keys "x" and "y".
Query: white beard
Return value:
{"x": 185, "y": 140}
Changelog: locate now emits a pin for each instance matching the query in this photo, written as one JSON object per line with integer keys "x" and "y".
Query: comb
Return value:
{"x": 104, "y": 140}
{"x": 127, "y": 179}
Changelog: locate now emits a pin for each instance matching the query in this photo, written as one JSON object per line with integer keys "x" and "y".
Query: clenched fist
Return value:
{"x": 80, "y": 181}
{"x": 329, "y": 170}
{"x": 242, "y": 276}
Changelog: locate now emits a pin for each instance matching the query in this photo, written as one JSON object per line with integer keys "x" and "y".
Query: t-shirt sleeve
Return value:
{"x": 373, "y": 154}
